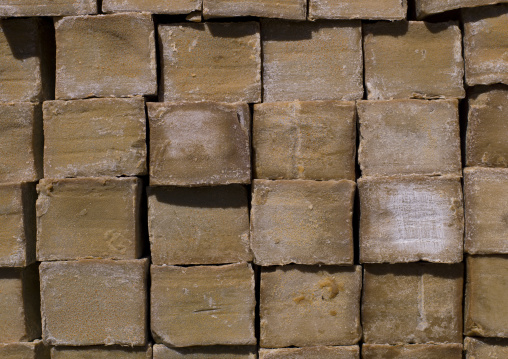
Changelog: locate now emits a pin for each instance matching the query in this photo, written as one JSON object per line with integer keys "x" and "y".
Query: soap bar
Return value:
{"x": 212, "y": 352}
{"x": 412, "y": 351}
{"x": 310, "y": 61}
{"x": 478, "y": 348}
{"x": 411, "y": 218}
{"x": 174, "y": 7}
{"x": 413, "y": 59}
{"x": 303, "y": 222}
{"x": 313, "y": 140}
{"x": 203, "y": 305}
{"x": 88, "y": 218}
{"x": 402, "y": 137}
{"x": 32, "y": 350}
{"x": 17, "y": 224}
{"x": 412, "y": 303}
{"x": 101, "y": 352}
{"x": 358, "y": 9}
{"x": 10, "y": 8}
{"x": 201, "y": 143}
{"x": 210, "y": 62}
{"x": 94, "y": 138}
{"x": 429, "y": 7}
{"x": 310, "y": 306}
{"x": 205, "y": 225}
{"x": 94, "y": 302}
{"x": 486, "y": 313}
{"x": 344, "y": 352}
{"x": 282, "y": 9}
{"x": 105, "y": 56}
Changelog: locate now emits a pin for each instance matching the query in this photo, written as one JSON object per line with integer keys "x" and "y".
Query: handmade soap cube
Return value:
{"x": 413, "y": 351}
{"x": 310, "y": 61}
{"x": 101, "y": 352}
{"x": 413, "y": 59}
{"x": 94, "y": 302}
{"x": 205, "y": 225}
{"x": 17, "y": 224}
{"x": 33, "y": 350}
{"x": 20, "y": 317}
{"x": 314, "y": 140}
{"x": 402, "y": 137}
{"x": 210, "y": 62}
{"x": 303, "y": 222}
{"x": 21, "y": 140}
{"x": 203, "y": 305}
{"x": 172, "y": 7}
{"x": 344, "y": 352}
{"x": 94, "y": 138}
{"x": 428, "y": 7}
{"x": 217, "y": 352}
{"x": 88, "y": 218}
{"x": 310, "y": 306}
{"x": 285, "y": 9}
{"x": 10, "y": 8}
{"x": 358, "y": 9}
{"x": 479, "y": 348}
{"x": 411, "y": 218}
{"x": 105, "y": 56}
{"x": 412, "y": 303}
{"x": 486, "y": 313}
{"x": 205, "y": 143}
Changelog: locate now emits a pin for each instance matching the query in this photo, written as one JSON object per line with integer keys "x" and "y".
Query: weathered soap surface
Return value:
{"x": 358, "y": 9}
{"x": 403, "y": 137}
{"x": 210, "y": 62}
{"x": 486, "y": 313}
{"x": 95, "y": 138}
{"x": 312, "y": 140}
{"x": 101, "y": 352}
{"x": 94, "y": 302}
{"x": 172, "y": 7}
{"x": 310, "y": 61}
{"x": 310, "y": 306}
{"x": 105, "y": 56}
{"x": 282, "y": 9}
{"x": 205, "y": 225}
{"x": 479, "y": 348}
{"x": 487, "y": 127}
{"x": 26, "y": 350}
{"x": 218, "y": 352}
{"x": 199, "y": 143}
{"x": 303, "y": 222}
{"x": 10, "y": 8}
{"x": 20, "y": 142}
{"x": 412, "y": 351}
{"x": 413, "y": 59}
{"x": 88, "y": 218}
{"x": 318, "y": 352}
{"x": 203, "y": 305}
{"x": 429, "y": 7}
{"x": 412, "y": 303}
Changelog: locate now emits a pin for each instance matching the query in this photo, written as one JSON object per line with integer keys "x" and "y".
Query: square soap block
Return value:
{"x": 358, "y": 9}
{"x": 429, "y": 7}
{"x": 12, "y": 8}
{"x": 101, "y": 352}
{"x": 477, "y": 348}
{"x": 412, "y": 351}
{"x": 173, "y": 7}
{"x": 282, "y": 9}
{"x": 213, "y": 352}
{"x": 27, "y": 350}
{"x": 319, "y": 352}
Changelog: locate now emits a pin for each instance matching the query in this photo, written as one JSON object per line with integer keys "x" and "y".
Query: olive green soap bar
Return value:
{"x": 204, "y": 352}
{"x": 172, "y": 7}
{"x": 428, "y": 7}
{"x": 318, "y": 352}
{"x": 358, "y": 9}
{"x": 26, "y": 350}
{"x": 478, "y": 348}
{"x": 412, "y": 351}
{"x": 282, "y": 9}
{"x": 101, "y": 352}
{"x": 11, "y": 8}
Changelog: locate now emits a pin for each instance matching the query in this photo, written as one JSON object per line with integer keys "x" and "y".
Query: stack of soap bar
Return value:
{"x": 358, "y": 9}
{"x": 282, "y": 9}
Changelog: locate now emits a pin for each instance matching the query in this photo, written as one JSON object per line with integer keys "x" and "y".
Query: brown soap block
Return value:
{"x": 345, "y": 352}
{"x": 200, "y": 143}
{"x": 21, "y": 141}
{"x": 94, "y": 302}
{"x": 282, "y": 9}
{"x": 310, "y": 61}
{"x": 411, "y": 218}
{"x": 95, "y": 138}
{"x": 101, "y": 352}
{"x": 88, "y": 218}
{"x": 20, "y": 317}
{"x": 314, "y": 140}
{"x": 486, "y": 313}
{"x": 412, "y": 303}
{"x": 17, "y": 224}
{"x": 105, "y": 56}
{"x": 310, "y": 306}
{"x": 303, "y": 222}
{"x": 203, "y": 305}
{"x": 428, "y": 7}
{"x": 412, "y": 351}
{"x": 485, "y": 348}
{"x": 358, "y": 9}
{"x": 413, "y": 59}
{"x": 487, "y": 128}
{"x": 33, "y": 350}
{"x": 402, "y": 137}
{"x": 10, "y": 8}
{"x": 172, "y": 7}
{"x": 204, "y": 225}
{"x": 217, "y": 352}
{"x": 210, "y": 62}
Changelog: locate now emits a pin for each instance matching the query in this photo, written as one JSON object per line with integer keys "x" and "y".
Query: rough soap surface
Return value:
{"x": 323, "y": 352}
{"x": 212, "y": 352}
{"x": 32, "y": 350}
{"x": 412, "y": 351}
{"x": 429, "y": 7}
{"x": 172, "y": 7}
{"x": 358, "y": 9}
{"x": 478, "y": 348}
{"x": 283, "y": 9}
{"x": 47, "y": 7}
{"x": 101, "y": 352}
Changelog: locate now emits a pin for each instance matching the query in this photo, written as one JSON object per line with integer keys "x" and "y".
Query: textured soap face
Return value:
{"x": 205, "y": 225}
{"x": 203, "y": 305}
{"x": 88, "y": 218}
{"x": 101, "y": 352}
{"x": 358, "y": 9}
{"x": 20, "y": 142}
{"x": 310, "y": 61}
{"x": 210, "y": 62}
{"x": 412, "y": 351}
{"x": 94, "y": 138}
{"x": 213, "y": 352}
{"x": 172, "y": 7}
{"x": 310, "y": 306}
{"x": 20, "y": 317}
{"x": 343, "y": 352}
{"x": 313, "y": 140}
{"x": 94, "y": 302}
{"x": 411, "y": 218}
{"x": 303, "y": 222}
{"x": 486, "y": 313}
{"x": 47, "y": 7}
{"x": 429, "y": 7}
{"x": 284, "y": 9}
{"x": 105, "y": 56}
{"x": 413, "y": 60}
{"x": 204, "y": 143}
{"x": 409, "y": 137}
{"x": 478, "y": 348}
{"x": 33, "y": 350}
{"x": 412, "y": 303}
{"x": 487, "y": 128}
